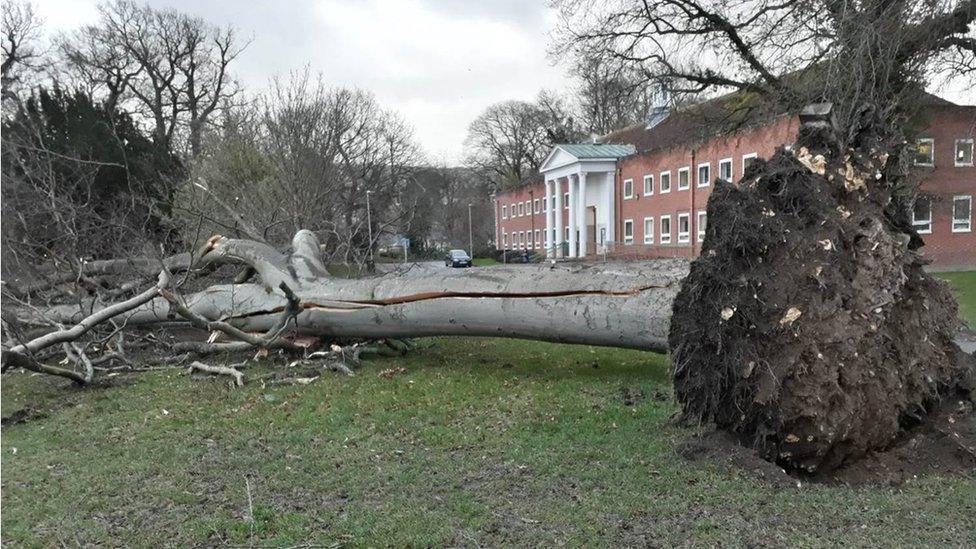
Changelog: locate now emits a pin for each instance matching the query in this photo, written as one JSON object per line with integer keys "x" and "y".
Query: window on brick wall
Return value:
{"x": 504, "y": 212}
{"x": 665, "y": 236}
{"x": 665, "y": 183}
{"x": 504, "y": 239}
{"x": 513, "y": 210}
{"x": 684, "y": 227}
{"x": 962, "y": 213}
{"x": 648, "y": 230}
{"x": 628, "y": 231}
{"x": 964, "y": 152}
{"x": 704, "y": 174}
{"x": 684, "y": 179}
{"x": 700, "y": 225}
{"x": 747, "y": 160}
{"x": 565, "y": 201}
{"x": 648, "y": 185}
{"x": 725, "y": 169}
{"x": 538, "y": 234}
{"x": 521, "y": 209}
{"x": 922, "y": 214}
{"x": 925, "y": 152}
{"x": 535, "y": 205}
{"x": 628, "y": 188}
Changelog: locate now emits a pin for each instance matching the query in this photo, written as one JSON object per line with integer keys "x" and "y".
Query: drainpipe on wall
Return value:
{"x": 693, "y": 235}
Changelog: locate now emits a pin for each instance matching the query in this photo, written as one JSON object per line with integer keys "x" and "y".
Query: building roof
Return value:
{"x": 597, "y": 150}
{"x": 697, "y": 122}
{"x": 721, "y": 115}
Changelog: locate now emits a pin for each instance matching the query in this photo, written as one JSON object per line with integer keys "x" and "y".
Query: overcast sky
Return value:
{"x": 439, "y": 63}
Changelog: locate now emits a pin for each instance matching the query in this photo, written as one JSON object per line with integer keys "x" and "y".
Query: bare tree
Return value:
{"x": 611, "y": 94}
{"x": 306, "y": 157}
{"x": 509, "y": 141}
{"x": 21, "y": 36}
{"x": 695, "y": 46}
{"x": 172, "y": 67}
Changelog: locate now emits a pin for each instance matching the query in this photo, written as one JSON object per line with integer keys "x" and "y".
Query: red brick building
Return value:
{"x": 644, "y": 190}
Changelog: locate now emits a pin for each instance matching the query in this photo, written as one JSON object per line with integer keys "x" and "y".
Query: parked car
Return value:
{"x": 457, "y": 258}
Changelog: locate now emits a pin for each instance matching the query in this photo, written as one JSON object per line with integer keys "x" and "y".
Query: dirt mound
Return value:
{"x": 807, "y": 327}
{"x": 944, "y": 444}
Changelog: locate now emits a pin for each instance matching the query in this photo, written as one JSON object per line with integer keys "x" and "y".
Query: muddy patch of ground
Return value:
{"x": 943, "y": 444}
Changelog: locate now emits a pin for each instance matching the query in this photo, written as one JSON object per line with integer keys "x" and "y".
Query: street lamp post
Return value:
{"x": 470, "y": 239}
{"x": 369, "y": 227}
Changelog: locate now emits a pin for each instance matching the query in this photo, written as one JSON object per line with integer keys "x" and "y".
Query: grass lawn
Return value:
{"x": 484, "y": 261}
{"x": 473, "y": 442}
{"x": 476, "y": 442}
{"x": 964, "y": 286}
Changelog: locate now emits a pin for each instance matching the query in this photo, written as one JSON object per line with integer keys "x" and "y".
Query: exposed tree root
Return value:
{"x": 808, "y": 327}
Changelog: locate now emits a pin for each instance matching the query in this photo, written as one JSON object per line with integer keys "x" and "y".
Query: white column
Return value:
{"x": 573, "y": 213}
{"x": 582, "y": 214}
{"x": 611, "y": 207}
{"x": 547, "y": 240}
{"x": 558, "y": 186}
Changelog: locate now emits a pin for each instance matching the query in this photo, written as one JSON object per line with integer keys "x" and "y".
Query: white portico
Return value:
{"x": 579, "y": 182}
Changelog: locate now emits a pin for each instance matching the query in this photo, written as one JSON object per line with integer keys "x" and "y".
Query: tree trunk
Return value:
{"x": 597, "y": 305}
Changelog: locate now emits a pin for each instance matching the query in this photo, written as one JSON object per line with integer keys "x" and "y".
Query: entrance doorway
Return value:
{"x": 591, "y": 236}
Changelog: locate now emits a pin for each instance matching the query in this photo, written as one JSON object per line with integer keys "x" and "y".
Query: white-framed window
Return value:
{"x": 628, "y": 231}
{"x": 566, "y": 235}
{"x": 665, "y": 233}
{"x": 700, "y": 221}
{"x": 704, "y": 174}
{"x": 648, "y": 230}
{"x": 922, "y": 214}
{"x": 521, "y": 209}
{"x": 514, "y": 240}
{"x": 628, "y": 188}
{"x": 747, "y": 160}
{"x": 504, "y": 239}
{"x": 684, "y": 227}
{"x": 528, "y": 207}
{"x": 962, "y": 213}
{"x": 665, "y": 182}
{"x": 725, "y": 169}
{"x": 538, "y": 235}
{"x": 545, "y": 238}
{"x": 684, "y": 178}
{"x": 964, "y": 152}
{"x": 545, "y": 204}
{"x": 565, "y": 201}
{"x": 925, "y": 152}
{"x": 648, "y": 185}
{"x": 504, "y": 212}
{"x": 522, "y": 239}
{"x": 536, "y": 205}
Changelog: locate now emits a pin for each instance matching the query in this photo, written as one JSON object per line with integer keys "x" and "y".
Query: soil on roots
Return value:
{"x": 807, "y": 327}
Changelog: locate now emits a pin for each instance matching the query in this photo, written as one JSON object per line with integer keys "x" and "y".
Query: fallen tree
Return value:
{"x": 294, "y": 293}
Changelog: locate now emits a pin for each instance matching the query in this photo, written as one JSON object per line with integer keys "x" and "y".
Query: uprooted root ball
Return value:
{"x": 807, "y": 326}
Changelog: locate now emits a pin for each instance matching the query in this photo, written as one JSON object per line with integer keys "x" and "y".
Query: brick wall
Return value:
{"x": 941, "y": 182}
